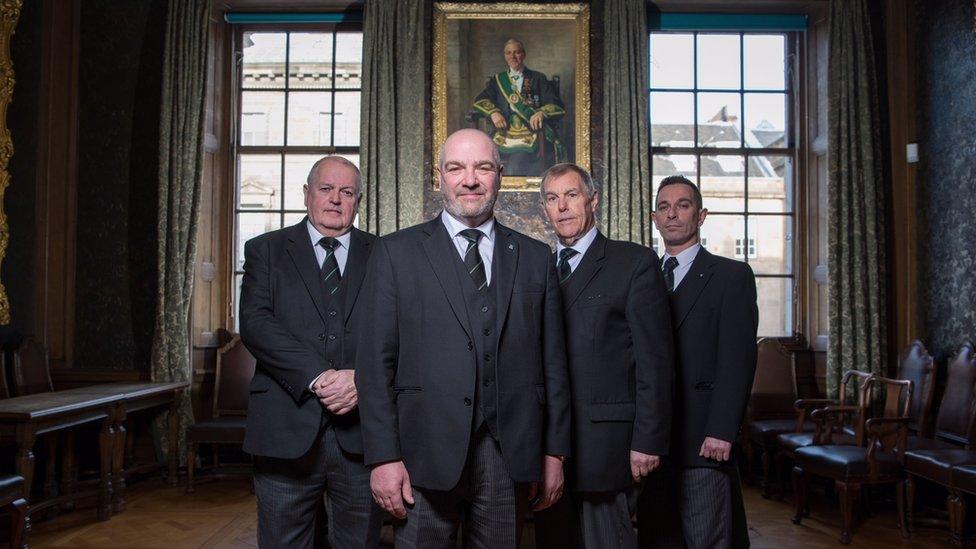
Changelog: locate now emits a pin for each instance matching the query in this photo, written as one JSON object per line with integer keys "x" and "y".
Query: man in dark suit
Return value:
{"x": 618, "y": 332}
{"x": 299, "y": 316}
{"x": 464, "y": 394}
{"x": 715, "y": 319}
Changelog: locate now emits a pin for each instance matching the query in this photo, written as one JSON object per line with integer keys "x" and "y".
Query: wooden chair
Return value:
{"x": 955, "y": 431}
{"x": 917, "y": 366}
{"x": 4, "y": 381}
{"x": 13, "y": 502}
{"x": 235, "y": 368}
{"x": 878, "y": 461}
{"x": 770, "y": 411}
{"x": 851, "y": 433}
{"x": 30, "y": 372}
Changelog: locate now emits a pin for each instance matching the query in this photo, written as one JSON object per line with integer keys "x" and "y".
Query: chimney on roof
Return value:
{"x": 723, "y": 116}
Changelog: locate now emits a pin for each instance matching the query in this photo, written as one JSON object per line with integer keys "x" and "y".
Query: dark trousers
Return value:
{"x": 590, "y": 520}
{"x": 290, "y": 491}
{"x": 486, "y": 503}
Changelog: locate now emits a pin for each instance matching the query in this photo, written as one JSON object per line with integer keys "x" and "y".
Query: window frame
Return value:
{"x": 795, "y": 92}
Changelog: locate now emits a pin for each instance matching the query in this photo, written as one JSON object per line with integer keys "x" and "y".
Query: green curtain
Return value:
{"x": 394, "y": 114}
{"x": 181, "y": 128}
{"x": 627, "y": 193}
{"x": 856, "y": 198}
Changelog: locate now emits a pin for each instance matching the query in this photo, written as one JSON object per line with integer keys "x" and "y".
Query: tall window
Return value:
{"x": 298, "y": 100}
{"x": 721, "y": 107}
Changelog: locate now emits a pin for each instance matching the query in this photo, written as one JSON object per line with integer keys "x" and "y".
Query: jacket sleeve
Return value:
{"x": 556, "y": 370}
{"x": 735, "y": 355}
{"x": 376, "y": 359}
{"x": 649, "y": 319}
{"x": 292, "y": 363}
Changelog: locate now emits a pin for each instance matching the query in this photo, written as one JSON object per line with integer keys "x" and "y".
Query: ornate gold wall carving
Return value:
{"x": 9, "y": 13}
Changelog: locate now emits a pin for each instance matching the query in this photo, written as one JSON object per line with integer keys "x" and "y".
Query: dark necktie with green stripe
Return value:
{"x": 472, "y": 259}
{"x": 331, "y": 277}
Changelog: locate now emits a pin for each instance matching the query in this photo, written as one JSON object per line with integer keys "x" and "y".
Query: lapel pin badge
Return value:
{"x": 511, "y": 246}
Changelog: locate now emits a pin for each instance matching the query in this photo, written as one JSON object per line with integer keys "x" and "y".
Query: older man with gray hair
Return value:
{"x": 300, "y": 319}
{"x": 621, "y": 362}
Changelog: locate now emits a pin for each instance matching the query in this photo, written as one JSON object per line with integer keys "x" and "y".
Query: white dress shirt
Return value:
{"x": 341, "y": 251}
{"x": 581, "y": 246}
{"x": 516, "y": 78}
{"x": 486, "y": 244}
{"x": 685, "y": 258}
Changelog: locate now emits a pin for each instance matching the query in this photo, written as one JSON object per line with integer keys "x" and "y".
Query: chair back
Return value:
{"x": 917, "y": 366}
{"x": 896, "y": 399}
{"x": 860, "y": 384}
{"x": 4, "y": 384}
{"x": 235, "y": 368}
{"x": 955, "y": 420}
{"x": 774, "y": 386}
{"x": 30, "y": 371}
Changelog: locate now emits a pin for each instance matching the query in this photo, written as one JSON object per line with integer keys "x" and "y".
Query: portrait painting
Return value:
{"x": 520, "y": 73}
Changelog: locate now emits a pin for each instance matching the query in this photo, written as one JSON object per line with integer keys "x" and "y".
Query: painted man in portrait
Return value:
{"x": 525, "y": 109}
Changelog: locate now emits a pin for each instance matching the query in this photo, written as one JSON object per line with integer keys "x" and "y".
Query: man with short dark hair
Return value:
{"x": 715, "y": 319}
{"x": 462, "y": 376}
{"x": 299, "y": 317}
{"x": 618, "y": 333}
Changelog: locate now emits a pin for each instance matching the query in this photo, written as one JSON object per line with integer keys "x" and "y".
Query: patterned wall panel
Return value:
{"x": 946, "y": 120}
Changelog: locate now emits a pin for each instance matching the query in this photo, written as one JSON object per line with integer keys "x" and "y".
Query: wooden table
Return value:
{"x": 134, "y": 397}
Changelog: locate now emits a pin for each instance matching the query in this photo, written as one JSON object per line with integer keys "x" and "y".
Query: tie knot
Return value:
{"x": 566, "y": 253}
{"x": 670, "y": 264}
{"x": 329, "y": 243}
{"x": 471, "y": 235}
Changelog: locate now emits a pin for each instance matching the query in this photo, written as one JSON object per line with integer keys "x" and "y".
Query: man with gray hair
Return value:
{"x": 300, "y": 319}
{"x": 618, "y": 337}
{"x": 464, "y": 394}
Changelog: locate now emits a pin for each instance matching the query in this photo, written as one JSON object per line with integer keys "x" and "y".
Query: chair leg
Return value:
{"x": 767, "y": 463}
{"x": 900, "y": 497}
{"x": 848, "y": 495}
{"x": 910, "y": 503}
{"x": 191, "y": 463}
{"x": 957, "y": 518}
{"x": 18, "y": 518}
{"x": 799, "y": 493}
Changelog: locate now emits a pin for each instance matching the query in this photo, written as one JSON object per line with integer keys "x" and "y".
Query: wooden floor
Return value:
{"x": 222, "y": 514}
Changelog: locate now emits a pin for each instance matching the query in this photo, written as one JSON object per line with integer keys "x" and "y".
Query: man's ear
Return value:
{"x": 701, "y": 216}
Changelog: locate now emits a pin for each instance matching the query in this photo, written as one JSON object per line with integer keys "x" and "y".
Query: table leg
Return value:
{"x": 50, "y": 474}
{"x": 69, "y": 469}
{"x": 25, "y": 456}
{"x": 19, "y": 524}
{"x": 118, "y": 461}
{"x": 173, "y": 448}
{"x": 106, "y": 445}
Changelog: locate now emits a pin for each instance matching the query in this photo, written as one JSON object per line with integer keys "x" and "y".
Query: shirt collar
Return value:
{"x": 315, "y": 235}
{"x": 515, "y": 73}
{"x": 582, "y": 244}
{"x": 454, "y": 226}
{"x": 686, "y": 256}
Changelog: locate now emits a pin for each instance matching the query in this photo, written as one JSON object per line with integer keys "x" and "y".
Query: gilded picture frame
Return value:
{"x": 469, "y": 62}
{"x": 9, "y": 14}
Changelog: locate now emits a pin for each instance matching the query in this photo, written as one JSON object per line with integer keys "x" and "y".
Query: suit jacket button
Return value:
{"x": 321, "y": 337}
{"x": 470, "y": 346}
{"x": 467, "y": 401}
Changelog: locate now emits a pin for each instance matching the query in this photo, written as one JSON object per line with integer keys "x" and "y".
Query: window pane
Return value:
{"x": 723, "y": 183}
{"x": 349, "y": 59}
{"x": 263, "y": 60}
{"x": 260, "y": 181}
{"x": 237, "y": 302}
{"x": 721, "y": 232}
{"x": 771, "y": 241}
{"x": 262, "y": 118}
{"x": 765, "y": 119}
{"x": 310, "y": 60}
{"x": 672, "y": 119}
{"x": 765, "y": 61}
{"x": 253, "y": 224}
{"x": 347, "y": 119}
{"x": 775, "y": 306}
{"x": 718, "y": 61}
{"x": 672, "y": 63}
{"x": 297, "y": 167}
{"x": 719, "y": 120}
{"x": 309, "y": 122}
{"x": 673, "y": 164}
{"x": 771, "y": 184}
{"x": 292, "y": 218}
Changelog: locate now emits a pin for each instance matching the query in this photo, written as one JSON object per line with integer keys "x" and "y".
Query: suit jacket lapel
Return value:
{"x": 505, "y": 263}
{"x": 441, "y": 253}
{"x": 303, "y": 256}
{"x": 686, "y": 294}
{"x": 355, "y": 269}
{"x": 591, "y": 264}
